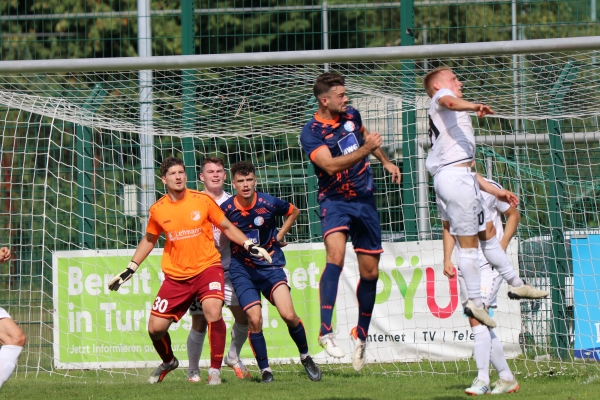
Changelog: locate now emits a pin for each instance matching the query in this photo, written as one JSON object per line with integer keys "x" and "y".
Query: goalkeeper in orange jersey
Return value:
{"x": 191, "y": 264}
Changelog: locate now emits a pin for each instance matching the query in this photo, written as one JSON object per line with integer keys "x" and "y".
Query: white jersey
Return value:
{"x": 451, "y": 134}
{"x": 222, "y": 242}
{"x": 492, "y": 208}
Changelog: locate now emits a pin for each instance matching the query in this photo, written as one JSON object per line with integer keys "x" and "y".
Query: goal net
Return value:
{"x": 79, "y": 169}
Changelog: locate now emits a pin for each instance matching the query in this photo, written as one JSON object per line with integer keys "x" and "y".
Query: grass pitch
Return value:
{"x": 582, "y": 382}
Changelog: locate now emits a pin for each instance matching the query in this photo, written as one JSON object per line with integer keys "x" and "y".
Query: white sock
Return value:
{"x": 266, "y": 369}
{"x": 211, "y": 370}
{"x": 494, "y": 253}
{"x": 468, "y": 264}
{"x": 195, "y": 342}
{"x": 8, "y": 361}
{"x": 482, "y": 351}
{"x": 239, "y": 334}
{"x": 498, "y": 360}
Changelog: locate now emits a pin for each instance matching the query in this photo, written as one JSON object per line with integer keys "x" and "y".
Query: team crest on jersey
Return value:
{"x": 195, "y": 215}
{"x": 258, "y": 221}
{"x": 349, "y": 126}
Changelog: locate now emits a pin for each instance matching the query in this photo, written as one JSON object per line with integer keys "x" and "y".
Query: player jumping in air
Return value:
{"x": 339, "y": 145}
{"x": 190, "y": 262}
{"x": 457, "y": 190}
{"x": 254, "y": 213}
{"x": 213, "y": 176}
{"x": 487, "y": 346}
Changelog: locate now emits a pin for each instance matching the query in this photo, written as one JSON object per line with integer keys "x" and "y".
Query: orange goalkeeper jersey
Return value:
{"x": 187, "y": 225}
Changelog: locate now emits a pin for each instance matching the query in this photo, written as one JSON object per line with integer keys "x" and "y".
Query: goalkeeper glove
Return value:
{"x": 257, "y": 251}
{"x": 116, "y": 282}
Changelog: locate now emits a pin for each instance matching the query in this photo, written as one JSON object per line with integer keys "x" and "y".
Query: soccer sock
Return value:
{"x": 468, "y": 264}
{"x": 259, "y": 348}
{"x": 239, "y": 334}
{"x": 195, "y": 341}
{"x": 366, "y": 291}
{"x": 498, "y": 359}
{"x": 482, "y": 349}
{"x": 298, "y": 335}
{"x": 493, "y": 252}
{"x": 328, "y": 287}
{"x": 8, "y": 361}
{"x": 163, "y": 348}
{"x": 217, "y": 332}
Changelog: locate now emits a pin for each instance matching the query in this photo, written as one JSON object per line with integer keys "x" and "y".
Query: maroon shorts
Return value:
{"x": 175, "y": 297}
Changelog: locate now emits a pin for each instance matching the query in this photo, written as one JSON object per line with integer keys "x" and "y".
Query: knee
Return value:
{"x": 291, "y": 319}
{"x": 199, "y": 323}
{"x": 18, "y": 339}
{"x": 155, "y": 334}
{"x": 255, "y": 323}
{"x": 21, "y": 340}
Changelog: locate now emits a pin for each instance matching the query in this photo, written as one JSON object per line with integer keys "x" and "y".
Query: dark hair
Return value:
{"x": 326, "y": 81}
{"x": 242, "y": 168}
{"x": 212, "y": 160}
{"x": 168, "y": 163}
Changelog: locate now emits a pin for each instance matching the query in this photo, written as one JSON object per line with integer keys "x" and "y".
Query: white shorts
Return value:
{"x": 459, "y": 200}
{"x": 4, "y": 314}
{"x": 491, "y": 280}
{"x": 230, "y": 298}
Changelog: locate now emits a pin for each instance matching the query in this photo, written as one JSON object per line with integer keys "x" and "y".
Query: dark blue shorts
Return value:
{"x": 358, "y": 218}
{"x": 249, "y": 282}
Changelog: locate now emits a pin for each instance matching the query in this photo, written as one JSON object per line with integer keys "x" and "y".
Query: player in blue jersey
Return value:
{"x": 339, "y": 145}
{"x": 254, "y": 214}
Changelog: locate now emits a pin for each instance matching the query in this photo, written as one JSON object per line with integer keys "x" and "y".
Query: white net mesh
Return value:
{"x": 73, "y": 201}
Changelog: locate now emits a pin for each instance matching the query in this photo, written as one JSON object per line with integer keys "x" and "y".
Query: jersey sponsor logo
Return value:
{"x": 253, "y": 236}
{"x": 195, "y": 215}
{"x": 167, "y": 221}
{"x": 348, "y": 144}
{"x": 349, "y": 126}
{"x": 184, "y": 234}
{"x": 214, "y": 286}
{"x": 258, "y": 221}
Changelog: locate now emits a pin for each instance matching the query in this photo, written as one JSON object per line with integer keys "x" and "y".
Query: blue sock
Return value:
{"x": 328, "y": 287}
{"x": 365, "y": 293}
{"x": 259, "y": 348}
{"x": 298, "y": 335}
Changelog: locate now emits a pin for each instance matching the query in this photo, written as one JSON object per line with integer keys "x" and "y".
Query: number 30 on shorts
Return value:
{"x": 160, "y": 305}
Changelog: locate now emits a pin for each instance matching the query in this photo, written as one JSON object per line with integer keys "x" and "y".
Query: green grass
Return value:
{"x": 582, "y": 382}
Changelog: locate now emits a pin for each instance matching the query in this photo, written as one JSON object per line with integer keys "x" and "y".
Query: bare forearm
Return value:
{"x": 289, "y": 222}
{"x": 234, "y": 234}
{"x": 342, "y": 163}
{"x": 144, "y": 248}
{"x": 448, "y": 244}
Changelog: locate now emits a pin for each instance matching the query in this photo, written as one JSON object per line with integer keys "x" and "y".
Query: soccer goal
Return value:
{"x": 82, "y": 141}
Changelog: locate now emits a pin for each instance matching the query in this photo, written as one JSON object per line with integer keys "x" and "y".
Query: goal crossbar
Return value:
{"x": 302, "y": 57}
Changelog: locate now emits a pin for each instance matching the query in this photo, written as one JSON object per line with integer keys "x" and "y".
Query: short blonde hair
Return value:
{"x": 427, "y": 79}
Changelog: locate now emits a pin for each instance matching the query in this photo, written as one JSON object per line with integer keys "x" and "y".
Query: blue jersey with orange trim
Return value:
{"x": 341, "y": 136}
{"x": 258, "y": 223}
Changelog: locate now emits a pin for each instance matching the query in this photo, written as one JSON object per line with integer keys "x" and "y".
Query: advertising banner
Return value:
{"x": 417, "y": 313}
{"x": 586, "y": 281}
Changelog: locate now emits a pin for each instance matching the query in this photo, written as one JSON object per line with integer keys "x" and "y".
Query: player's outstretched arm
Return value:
{"x": 144, "y": 248}
{"x": 4, "y": 254}
{"x": 333, "y": 165}
{"x": 287, "y": 225}
{"x": 501, "y": 194}
{"x": 456, "y": 104}
{"x": 512, "y": 222}
{"x": 387, "y": 164}
{"x": 238, "y": 237}
{"x": 448, "y": 242}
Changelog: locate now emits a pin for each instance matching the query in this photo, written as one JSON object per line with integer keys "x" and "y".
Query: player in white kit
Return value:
{"x": 487, "y": 346}
{"x": 457, "y": 189}
{"x": 213, "y": 177}
{"x": 11, "y": 336}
